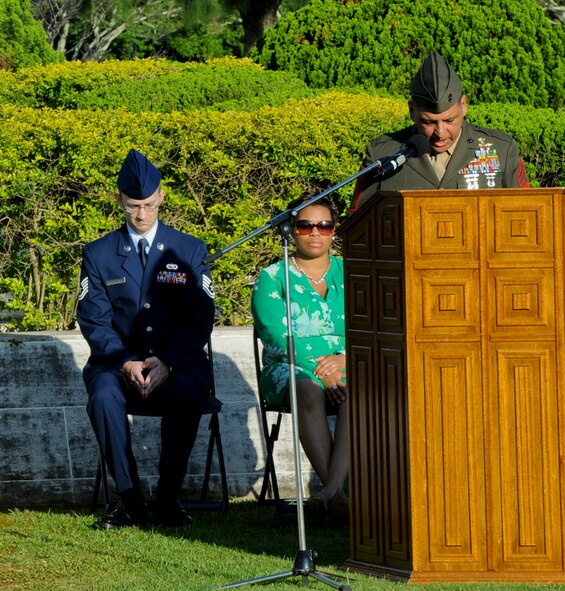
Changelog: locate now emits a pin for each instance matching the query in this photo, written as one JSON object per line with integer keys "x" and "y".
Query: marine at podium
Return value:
{"x": 461, "y": 156}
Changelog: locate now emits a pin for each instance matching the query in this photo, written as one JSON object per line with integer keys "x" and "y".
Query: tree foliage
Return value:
{"x": 180, "y": 29}
{"x": 87, "y": 29}
{"x": 256, "y": 15}
{"x": 23, "y": 42}
{"x": 505, "y": 51}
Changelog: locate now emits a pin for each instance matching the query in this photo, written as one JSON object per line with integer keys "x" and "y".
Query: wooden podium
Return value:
{"x": 456, "y": 373}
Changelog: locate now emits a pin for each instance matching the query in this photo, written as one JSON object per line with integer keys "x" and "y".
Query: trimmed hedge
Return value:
{"x": 62, "y": 85}
{"x": 152, "y": 85}
{"x": 225, "y": 175}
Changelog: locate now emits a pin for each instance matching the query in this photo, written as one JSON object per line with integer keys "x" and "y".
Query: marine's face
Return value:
{"x": 141, "y": 214}
{"x": 441, "y": 129}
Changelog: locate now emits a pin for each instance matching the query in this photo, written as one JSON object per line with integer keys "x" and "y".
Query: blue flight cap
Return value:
{"x": 138, "y": 178}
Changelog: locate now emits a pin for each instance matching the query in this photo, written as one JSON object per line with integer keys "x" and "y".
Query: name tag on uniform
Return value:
{"x": 171, "y": 277}
{"x": 116, "y": 281}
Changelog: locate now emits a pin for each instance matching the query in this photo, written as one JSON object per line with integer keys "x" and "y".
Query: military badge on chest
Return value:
{"x": 480, "y": 173}
{"x": 171, "y": 275}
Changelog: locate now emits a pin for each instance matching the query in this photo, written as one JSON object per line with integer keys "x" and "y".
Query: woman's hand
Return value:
{"x": 330, "y": 372}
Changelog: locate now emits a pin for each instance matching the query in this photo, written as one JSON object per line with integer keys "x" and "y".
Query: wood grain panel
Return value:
{"x": 389, "y": 225}
{"x": 361, "y": 242}
{"x": 519, "y": 229}
{"x": 366, "y": 527}
{"x": 394, "y": 432}
{"x": 522, "y": 304}
{"x": 390, "y": 308}
{"x": 446, "y": 303}
{"x": 446, "y": 431}
{"x": 445, "y": 229}
{"x": 361, "y": 297}
{"x": 525, "y": 467}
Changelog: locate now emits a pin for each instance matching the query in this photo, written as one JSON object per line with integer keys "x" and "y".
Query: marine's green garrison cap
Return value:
{"x": 435, "y": 87}
{"x": 138, "y": 177}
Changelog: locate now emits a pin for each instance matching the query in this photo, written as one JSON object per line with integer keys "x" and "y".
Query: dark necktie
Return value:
{"x": 141, "y": 250}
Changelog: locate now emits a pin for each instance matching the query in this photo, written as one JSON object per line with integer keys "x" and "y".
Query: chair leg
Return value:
{"x": 214, "y": 441}
{"x": 222, "y": 465}
{"x": 212, "y": 427}
{"x": 101, "y": 482}
{"x": 270, "y": 475}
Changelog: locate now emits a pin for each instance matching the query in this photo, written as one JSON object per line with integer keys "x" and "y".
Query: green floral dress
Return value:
{"x": 318, "y": 324}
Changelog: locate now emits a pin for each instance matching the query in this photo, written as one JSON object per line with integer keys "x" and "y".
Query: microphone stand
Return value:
{"x": 304, "y": 560}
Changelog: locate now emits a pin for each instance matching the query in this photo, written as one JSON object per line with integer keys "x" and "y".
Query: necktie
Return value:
{"x": 141, "y": 250}
{"x": 439, "y": 163}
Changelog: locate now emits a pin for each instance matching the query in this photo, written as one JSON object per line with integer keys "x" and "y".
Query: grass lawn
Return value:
{"x": 59, "y": 551}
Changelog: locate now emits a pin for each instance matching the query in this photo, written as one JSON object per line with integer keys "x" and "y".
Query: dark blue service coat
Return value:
{"x": 128, "y": 314}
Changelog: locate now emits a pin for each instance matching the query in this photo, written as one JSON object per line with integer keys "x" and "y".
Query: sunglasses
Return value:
{"x": 304, "y": 227}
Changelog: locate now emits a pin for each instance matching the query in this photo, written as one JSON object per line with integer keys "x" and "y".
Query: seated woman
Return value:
{"x": 318, "y": 317}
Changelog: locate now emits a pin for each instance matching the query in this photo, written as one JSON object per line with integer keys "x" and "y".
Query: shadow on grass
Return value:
{"x": 257, "y": 529}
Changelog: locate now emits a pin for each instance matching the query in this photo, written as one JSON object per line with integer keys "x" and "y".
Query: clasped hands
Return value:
{"x": 146, "y": 376}
{"x": 330, "y": 372}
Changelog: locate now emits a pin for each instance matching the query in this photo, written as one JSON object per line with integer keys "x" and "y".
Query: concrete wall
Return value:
{"x": 48, "y": 453}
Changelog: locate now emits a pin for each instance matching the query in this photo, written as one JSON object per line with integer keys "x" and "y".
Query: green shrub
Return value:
{"x": 225, "y": 175}
{"x": 505, "y": 51}
{"x": 146, "y": 85}
{"x": 23, "y": 41}
{"x": 213, "y": 86}
{"x": 62, "y": 85}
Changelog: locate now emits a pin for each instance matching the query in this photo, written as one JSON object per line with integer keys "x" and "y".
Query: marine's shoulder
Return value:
{"x": 477, "y": 131}
{"x": 388, "y": 143}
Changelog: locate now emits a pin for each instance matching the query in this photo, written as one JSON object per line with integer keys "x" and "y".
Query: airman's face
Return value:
{"x": 441, "y": 129}
{"x": 141, "y": 214}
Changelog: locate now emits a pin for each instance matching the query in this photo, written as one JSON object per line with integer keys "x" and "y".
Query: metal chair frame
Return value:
{"x": 271, "y": 436}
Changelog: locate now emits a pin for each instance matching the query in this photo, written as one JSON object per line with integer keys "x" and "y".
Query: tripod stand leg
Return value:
{"x": 263, "y": 579}
{"x": 330, "y": 582}
{"x": 304, "y": 565}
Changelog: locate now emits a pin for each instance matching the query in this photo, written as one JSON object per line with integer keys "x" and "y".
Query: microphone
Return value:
{"x": 415, "y": 146}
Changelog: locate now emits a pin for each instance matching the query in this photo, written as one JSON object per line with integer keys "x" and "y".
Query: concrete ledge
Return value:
{"x": 48, "y": 453}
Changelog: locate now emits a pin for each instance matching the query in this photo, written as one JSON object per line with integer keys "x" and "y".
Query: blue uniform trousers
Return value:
{"x": 179, "y": 401}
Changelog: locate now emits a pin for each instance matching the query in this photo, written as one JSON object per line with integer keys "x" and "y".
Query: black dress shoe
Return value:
{"x": 123, "y": 515}
{"x": 172, "y": 515}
